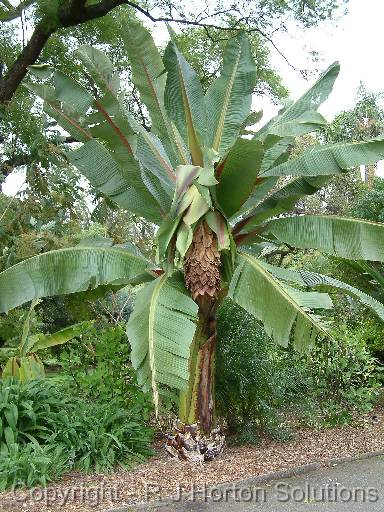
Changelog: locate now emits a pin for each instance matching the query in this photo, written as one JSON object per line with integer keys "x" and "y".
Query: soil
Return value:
{"x": 163, "y": 476}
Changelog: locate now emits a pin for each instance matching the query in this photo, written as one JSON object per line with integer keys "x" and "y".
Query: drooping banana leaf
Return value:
{"x": 67, "y": 271}
{"x": 160, "y": 330}
{"x": 329, "y": 159}
{"x": 353, "y": 239}
{"x": 228, "y": 99}
{"x": 42, "y": 341}
{"x": 309, "y": 300}
{"x": 313, "y": 279}
{"x": 255, "y": 289}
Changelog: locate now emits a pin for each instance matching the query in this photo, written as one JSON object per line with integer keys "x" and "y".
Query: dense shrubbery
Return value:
{"x": 46, "y": 430}
{"x": 249, "y": 388}
{"x": 100, "y": 369}
{"x": 259, "y": 384}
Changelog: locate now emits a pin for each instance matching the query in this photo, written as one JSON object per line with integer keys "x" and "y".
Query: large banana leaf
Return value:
{"x": 160, "y": 330}
{"x": 284, "y": 199}
{"x": 329, "y": 159}
{"x": 71, "y": 121}
{"x": 255, "y": 289}
{"x": 67, "y": 271}
{"x": 349, "y": 238}
{"x": 228, "y": 99}
{"x": 184, "y": 101}
{"x": 147, "y": 75}
{"x": 238, "y": 175}
{"x": 112, "y": 169}
{"x": 100, "y": 69}
{"x": 313, "y": 279}
{"x": 72, "y": 93}
{"x": 123, "y": 185}
{"x": 301, "y": 117}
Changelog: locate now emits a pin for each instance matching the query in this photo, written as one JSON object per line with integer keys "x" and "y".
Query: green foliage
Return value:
{"x": 99, "y": 366}
{"x": 345, "y": 377}
{"x": 249, "y": 387}
{"x": 45, "y": 424}
{"x": 364, "y": 121}
{"x": 370, "y": 203}
{"x": 31, "y": 465}
{"x": 260, "y": 386}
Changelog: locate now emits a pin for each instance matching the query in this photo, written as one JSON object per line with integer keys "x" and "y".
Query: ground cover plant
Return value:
{"x": 48, "y": 430}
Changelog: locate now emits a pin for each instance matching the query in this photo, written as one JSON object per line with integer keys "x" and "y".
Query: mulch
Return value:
{"x": 163, "y": 476}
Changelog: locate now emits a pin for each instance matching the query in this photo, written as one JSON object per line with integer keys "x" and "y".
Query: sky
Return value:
{"x": 355, "y": 40}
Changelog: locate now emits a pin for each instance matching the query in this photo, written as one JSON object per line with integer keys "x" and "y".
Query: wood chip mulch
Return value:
{"x": 162, "y": 476}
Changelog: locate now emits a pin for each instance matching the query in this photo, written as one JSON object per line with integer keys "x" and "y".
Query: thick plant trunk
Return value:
{"x": 197, "y": 403}
{"x": 202, "y": 277}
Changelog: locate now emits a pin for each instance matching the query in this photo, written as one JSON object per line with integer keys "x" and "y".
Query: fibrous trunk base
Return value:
{"x": 186, "y": 442}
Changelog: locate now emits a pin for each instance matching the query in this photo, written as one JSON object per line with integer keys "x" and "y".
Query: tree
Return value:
{"x": 50, "y": 18}
{"x": 364, "y": 121}
{"x": 31, "y": 142}
{"x": 213, "y": 195}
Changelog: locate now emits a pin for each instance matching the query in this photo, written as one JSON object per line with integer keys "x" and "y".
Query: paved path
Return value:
{"x": 356, "y": 486}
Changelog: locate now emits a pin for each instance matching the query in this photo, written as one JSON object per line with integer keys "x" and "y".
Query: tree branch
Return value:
{"x": 76, "y": 13}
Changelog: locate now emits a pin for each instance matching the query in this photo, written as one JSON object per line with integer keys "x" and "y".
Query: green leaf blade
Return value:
{"x": 229, "y": 97}
{"x": 66, "y": 271}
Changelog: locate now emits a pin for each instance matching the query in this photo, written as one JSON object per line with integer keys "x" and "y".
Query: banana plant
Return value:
{"x": 217, "y": 197}
{"x": 24, "y": 364}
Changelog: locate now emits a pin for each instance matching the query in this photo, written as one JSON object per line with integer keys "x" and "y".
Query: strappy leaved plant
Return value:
{"x": 211, "y": 191}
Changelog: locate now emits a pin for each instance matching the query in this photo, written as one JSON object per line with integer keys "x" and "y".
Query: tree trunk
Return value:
{"x": 369, "y": 176}
{"x": 197, "y": 403}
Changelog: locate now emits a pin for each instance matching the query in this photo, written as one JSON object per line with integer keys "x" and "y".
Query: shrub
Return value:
{"x": 259, "y": 384}
{"x": 248, "y": 387}
{"x": 42, "y": 423}
{"x": 101, "y": 370}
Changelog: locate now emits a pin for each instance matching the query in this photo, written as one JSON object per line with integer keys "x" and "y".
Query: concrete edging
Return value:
{"x": 254, "y": 481}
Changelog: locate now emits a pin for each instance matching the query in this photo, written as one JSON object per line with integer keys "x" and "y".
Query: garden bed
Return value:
{"x": 101, "y": 492}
